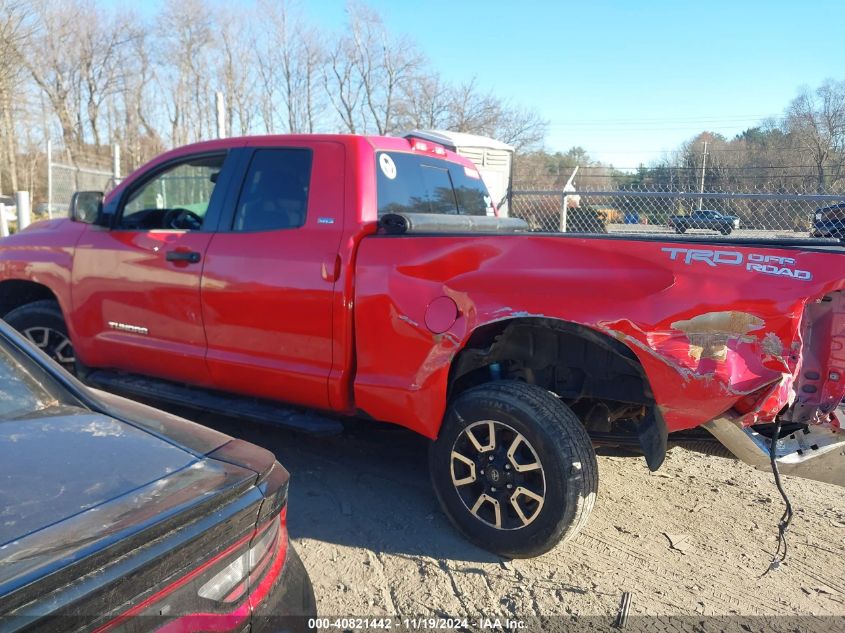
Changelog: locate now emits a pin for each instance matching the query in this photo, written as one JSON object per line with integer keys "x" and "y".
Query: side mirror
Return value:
{"x": 86, "y": 206}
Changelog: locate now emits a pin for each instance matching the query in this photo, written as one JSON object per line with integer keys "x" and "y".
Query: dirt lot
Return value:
{"x": 373, "y": 538}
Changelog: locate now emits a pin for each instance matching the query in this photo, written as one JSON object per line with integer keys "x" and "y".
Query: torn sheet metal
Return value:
{"x": 712, "y": 336}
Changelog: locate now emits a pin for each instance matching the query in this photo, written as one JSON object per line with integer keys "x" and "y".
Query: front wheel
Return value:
{"x": 43, "y": 324}
{"x": 514, "y": 469}
{"x": 725, "y": 230}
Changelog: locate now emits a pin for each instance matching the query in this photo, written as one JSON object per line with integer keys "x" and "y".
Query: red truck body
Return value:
{"x": 334, "y": 315}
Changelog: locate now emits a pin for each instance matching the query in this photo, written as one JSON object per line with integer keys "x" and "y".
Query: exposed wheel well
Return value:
{"x": 599, "y": 377}
{"x": 15, "y": 293}
{"x": 573, "y": 361}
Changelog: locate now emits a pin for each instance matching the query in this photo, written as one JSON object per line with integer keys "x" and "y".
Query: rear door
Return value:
{"x": 136, "y": 286}
{"x": 269, "y": 275}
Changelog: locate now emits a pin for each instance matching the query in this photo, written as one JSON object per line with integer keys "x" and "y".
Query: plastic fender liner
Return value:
{"x": 653, "y": 437}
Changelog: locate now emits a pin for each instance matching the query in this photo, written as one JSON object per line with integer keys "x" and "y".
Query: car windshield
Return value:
{"x": 27, "y": 388}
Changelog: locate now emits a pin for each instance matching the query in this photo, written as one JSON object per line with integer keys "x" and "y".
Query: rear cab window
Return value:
{"x": 410, "y": 183}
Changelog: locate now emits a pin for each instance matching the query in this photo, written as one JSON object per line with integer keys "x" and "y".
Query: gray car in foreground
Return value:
{"x": 115, "y": 516}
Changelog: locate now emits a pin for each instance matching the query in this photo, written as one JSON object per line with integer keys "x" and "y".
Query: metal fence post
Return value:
{"x": 22, "y": 202}
{"x": 49, "y": 178}
{"x": 564, "y": 208}
{"x": 115, "y": 164}
{"x": 4, "y": 224}
{"x": 221, "y": 114}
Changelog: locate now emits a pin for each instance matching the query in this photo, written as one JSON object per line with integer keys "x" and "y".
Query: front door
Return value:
{"x": 136, "y": 286}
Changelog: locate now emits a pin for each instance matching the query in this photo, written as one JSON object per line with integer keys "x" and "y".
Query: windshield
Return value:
{"x": 27, "y": 389}
{"x": 410, "y": 183}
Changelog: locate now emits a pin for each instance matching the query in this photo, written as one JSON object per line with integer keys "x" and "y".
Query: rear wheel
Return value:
{"x": 681, "y": 229}
{"x": 43, "y": 324}
{"x": 725, "y": 230}
{"x": 514, "y": 469}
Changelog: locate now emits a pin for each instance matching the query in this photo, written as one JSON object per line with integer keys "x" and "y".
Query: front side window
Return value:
{"x": 177, "y": 198}
{"x": 275, "y": 191}
{"x": 410, "y": 183}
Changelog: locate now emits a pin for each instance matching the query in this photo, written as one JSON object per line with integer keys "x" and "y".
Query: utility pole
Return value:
{"x": 22, "y": 203}
{"x": 49, "y": 178}
{"x": 221, "y": 115}
{"x": 703, "y": 167}
{"x": 115, "y": 164}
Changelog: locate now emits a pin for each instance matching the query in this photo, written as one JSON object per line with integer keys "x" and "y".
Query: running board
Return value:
{"x": 207, "y": 400}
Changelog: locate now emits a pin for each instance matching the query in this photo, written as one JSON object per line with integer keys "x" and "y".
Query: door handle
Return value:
{"x": 190, "y": 257}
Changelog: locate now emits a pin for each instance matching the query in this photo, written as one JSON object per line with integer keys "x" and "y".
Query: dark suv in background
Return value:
{"x": 829, "y": 222}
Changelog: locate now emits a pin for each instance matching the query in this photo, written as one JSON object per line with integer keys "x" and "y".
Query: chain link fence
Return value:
{"x": 84, "y": 171}
{"x": 762, "y": 214}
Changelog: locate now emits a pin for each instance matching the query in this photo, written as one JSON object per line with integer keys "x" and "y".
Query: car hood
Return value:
{"x": 58, "y": 465}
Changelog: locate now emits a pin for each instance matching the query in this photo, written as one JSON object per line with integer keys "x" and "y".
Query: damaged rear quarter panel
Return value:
{"x": 707, "y": 334}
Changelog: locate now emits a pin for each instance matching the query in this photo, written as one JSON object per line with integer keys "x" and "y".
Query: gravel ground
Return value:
{"x": 691, "y": 540}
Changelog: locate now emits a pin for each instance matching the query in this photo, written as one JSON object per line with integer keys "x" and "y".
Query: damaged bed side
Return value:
{"x": 731, "y": 338}
{"x": 810, "y": 442}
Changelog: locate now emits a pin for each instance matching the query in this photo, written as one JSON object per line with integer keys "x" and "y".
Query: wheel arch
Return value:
{"x": 15, "y": 293}
{"x": 570, "y": 359}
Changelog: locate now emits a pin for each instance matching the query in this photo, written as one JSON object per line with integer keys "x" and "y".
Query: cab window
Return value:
{"x": 408, "y": 183}
{"x": 274, "y": 195}
{"x": 176, "y": 198}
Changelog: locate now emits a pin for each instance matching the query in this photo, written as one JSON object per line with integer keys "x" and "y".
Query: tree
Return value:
{"x": 817, "y": 120}
{"x": 342, "y": 84}
{"x": 15, "y": 33}
{"x": 53, "y": 60}
{"x": 383, "y": 65}
{"x": 185, "y": 44}
{"x": 100, "y": 40}
{"x": 101, "y": 75}
{"x": 235, "y": 60}
{"x": 290, "y": 63}
{"x": 136, "y": 111}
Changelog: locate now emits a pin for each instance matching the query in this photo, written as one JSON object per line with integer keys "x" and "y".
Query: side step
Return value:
{"x": 207, "y": 400}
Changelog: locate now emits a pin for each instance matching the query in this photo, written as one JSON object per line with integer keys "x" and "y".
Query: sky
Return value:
{"x": 626, "y": 80}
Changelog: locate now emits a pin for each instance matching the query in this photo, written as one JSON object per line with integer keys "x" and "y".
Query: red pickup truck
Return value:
{"x": 370, "y": 277}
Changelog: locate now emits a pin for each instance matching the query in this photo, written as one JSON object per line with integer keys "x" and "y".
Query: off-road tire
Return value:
{"x": 45, "y": 313}
{"x": 560, "y": 443}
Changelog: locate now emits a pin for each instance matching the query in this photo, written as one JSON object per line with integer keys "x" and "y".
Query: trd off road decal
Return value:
{"x": 754, "y": 262}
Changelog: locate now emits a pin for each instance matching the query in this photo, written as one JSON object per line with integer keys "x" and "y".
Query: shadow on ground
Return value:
{"x": 367, "y": 488}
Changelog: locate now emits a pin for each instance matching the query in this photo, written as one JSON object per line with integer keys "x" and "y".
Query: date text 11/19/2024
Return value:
{"x": 416, "y": 624}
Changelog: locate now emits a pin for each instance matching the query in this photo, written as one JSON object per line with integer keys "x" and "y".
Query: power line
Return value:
{"x": 683, "y": 168}
{"x": 690, "y": 119}
{"x": 807, "y": 176}
{"x": 675, "y": 149}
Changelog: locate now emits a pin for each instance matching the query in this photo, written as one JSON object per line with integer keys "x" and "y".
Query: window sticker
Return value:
{"x": 388, "y": 167}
